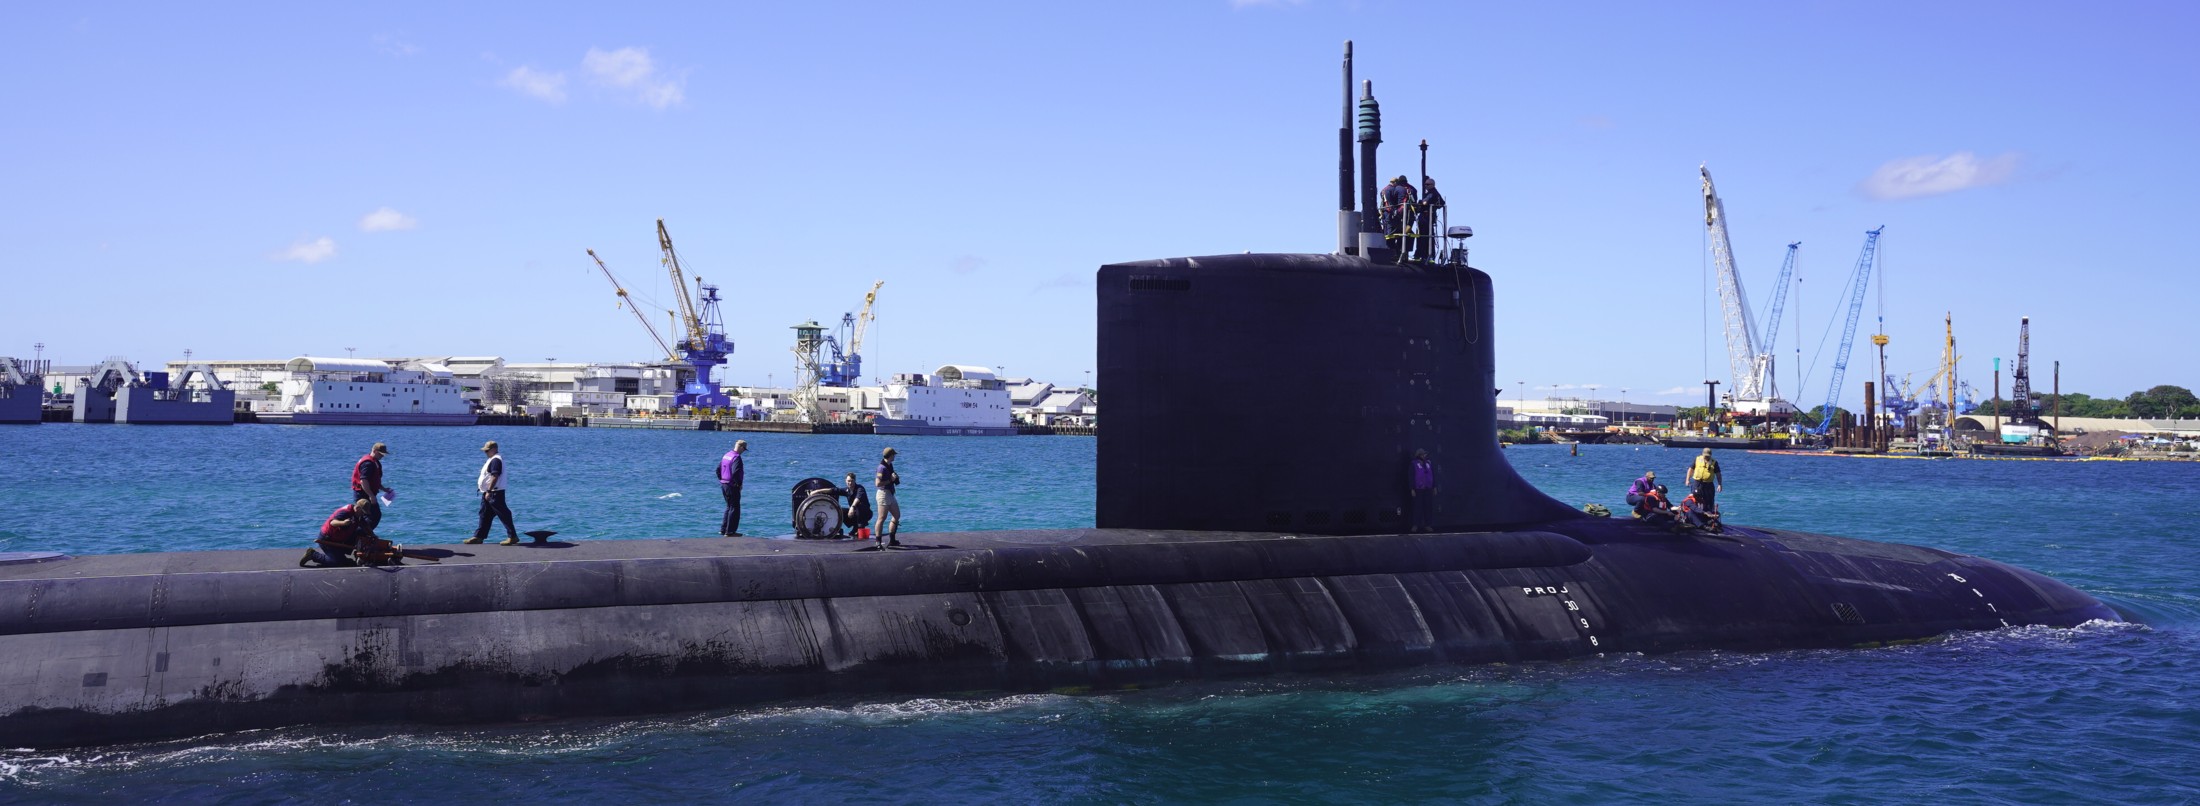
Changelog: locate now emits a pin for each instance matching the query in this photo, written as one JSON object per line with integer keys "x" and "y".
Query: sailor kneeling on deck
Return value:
{"x": 346, "y": 540}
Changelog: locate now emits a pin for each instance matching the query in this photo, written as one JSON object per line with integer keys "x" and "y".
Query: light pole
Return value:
{"x": 351, "y": 352}
{"x": 1623, "y": 406}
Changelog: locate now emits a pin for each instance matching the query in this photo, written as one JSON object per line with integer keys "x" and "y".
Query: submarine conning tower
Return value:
{"x": 1372, "y": 358}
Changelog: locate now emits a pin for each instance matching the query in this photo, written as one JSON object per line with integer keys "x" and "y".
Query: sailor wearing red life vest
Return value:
{"x": 366, "y": 483}
{"x": 345, "y": 539}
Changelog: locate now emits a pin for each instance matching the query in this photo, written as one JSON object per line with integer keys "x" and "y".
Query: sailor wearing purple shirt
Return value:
{"x": 731, "y": 470}
{"x": 1424, "y": 492}
{"x": 1642, "y": 488}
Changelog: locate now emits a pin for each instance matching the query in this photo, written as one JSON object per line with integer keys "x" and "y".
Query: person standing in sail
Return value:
{"x": 1423, "y": 486}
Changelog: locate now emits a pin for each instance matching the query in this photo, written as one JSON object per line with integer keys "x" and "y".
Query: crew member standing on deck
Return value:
{"x": 490, "y": 482}
{"x": 1423, "y": 485}
{"x": 1706, "y": 481}
{"x": 886, "y": 481}
{"x": 731, "y": 470}
{"x": 366, "y": 483}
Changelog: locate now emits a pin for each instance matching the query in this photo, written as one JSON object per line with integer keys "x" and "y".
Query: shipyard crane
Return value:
{"x": 1861, "y": 281}
{"x": 2020, "y": 390}
{"x": 1754, "y": 390}
{"x": 690, "y": 324}
{"x": 627, "y": 302}
{"x": 1779, "y": 305}
{"x": 846, "y": 368}
{"x": 706, "y": 346}
{"x": 1945, "y": 379}
{"x": 1897, "y": 400}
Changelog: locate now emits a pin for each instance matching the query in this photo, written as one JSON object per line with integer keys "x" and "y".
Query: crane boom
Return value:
{"x": 628, "y": 302}
{"x": 855, "y": 342}
{"x": 1780, "y": 296}
{"x": 1848, "y": 332}
{"x": 1741, "y": 331}
{"x": 690, "y": 322}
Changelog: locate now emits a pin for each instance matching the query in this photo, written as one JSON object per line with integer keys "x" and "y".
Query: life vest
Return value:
{"x": 731, "y": 470}
{"x": 340, "y": 535}
{"x": 359, "y": 472}
{"x": 1706, "y": 467}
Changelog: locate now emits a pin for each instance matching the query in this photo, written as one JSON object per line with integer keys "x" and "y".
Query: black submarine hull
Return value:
{"x": 138, "y": 647}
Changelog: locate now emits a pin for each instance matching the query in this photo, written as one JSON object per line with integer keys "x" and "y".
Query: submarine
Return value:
{"x": 1221, "y": 548}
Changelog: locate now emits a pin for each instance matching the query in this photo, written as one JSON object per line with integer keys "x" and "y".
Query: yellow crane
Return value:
{"x": 1946, "y": 377}
{"x": 863, "y": 318}
{"x": 627, "y": 302}
{"x": 689, "y": 321}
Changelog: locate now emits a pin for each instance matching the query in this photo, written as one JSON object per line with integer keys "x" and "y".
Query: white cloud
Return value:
{"x": 392, "y": 46}
{"x": 386, "y": 220}
{"x": 1067, "y": 279}
{"x": 1677, "y": 390}
{"x": 632, "y": 70}
{"x": 1917, "y": 177}
{"x": 313, "y": 251}
{"x": 535, "y": 83}
{"x": 966, "y": 264}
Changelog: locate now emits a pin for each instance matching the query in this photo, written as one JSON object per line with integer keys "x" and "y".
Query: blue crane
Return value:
{"x": 1848, "y": 332}
{"x": 705, "y": 347}
{"x": 1772, "y": 323}
{"x": 845, "y": 369}
{"x": 1780, "y": 294}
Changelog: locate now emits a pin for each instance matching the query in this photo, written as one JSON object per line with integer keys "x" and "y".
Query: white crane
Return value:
{"x": 1754, "y": 392}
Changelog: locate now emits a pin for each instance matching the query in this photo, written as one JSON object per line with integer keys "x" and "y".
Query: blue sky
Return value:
{"x": 282, "y": 179}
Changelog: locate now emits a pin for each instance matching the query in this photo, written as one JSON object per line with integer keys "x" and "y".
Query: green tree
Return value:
{"x": 1810, "y": 419}
{"x": 2162, "y": 401}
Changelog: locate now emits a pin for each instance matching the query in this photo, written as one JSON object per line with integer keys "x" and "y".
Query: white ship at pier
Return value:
{"x": 957, "y": 400}
{"x": 354, "y": 391}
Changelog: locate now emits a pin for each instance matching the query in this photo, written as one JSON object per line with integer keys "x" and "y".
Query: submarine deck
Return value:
{"x": 701, "y": 548}
{"x": 1562, "y": 544}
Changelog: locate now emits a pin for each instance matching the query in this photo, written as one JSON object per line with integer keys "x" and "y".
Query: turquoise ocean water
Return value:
{"x": 2029, "y": 715}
